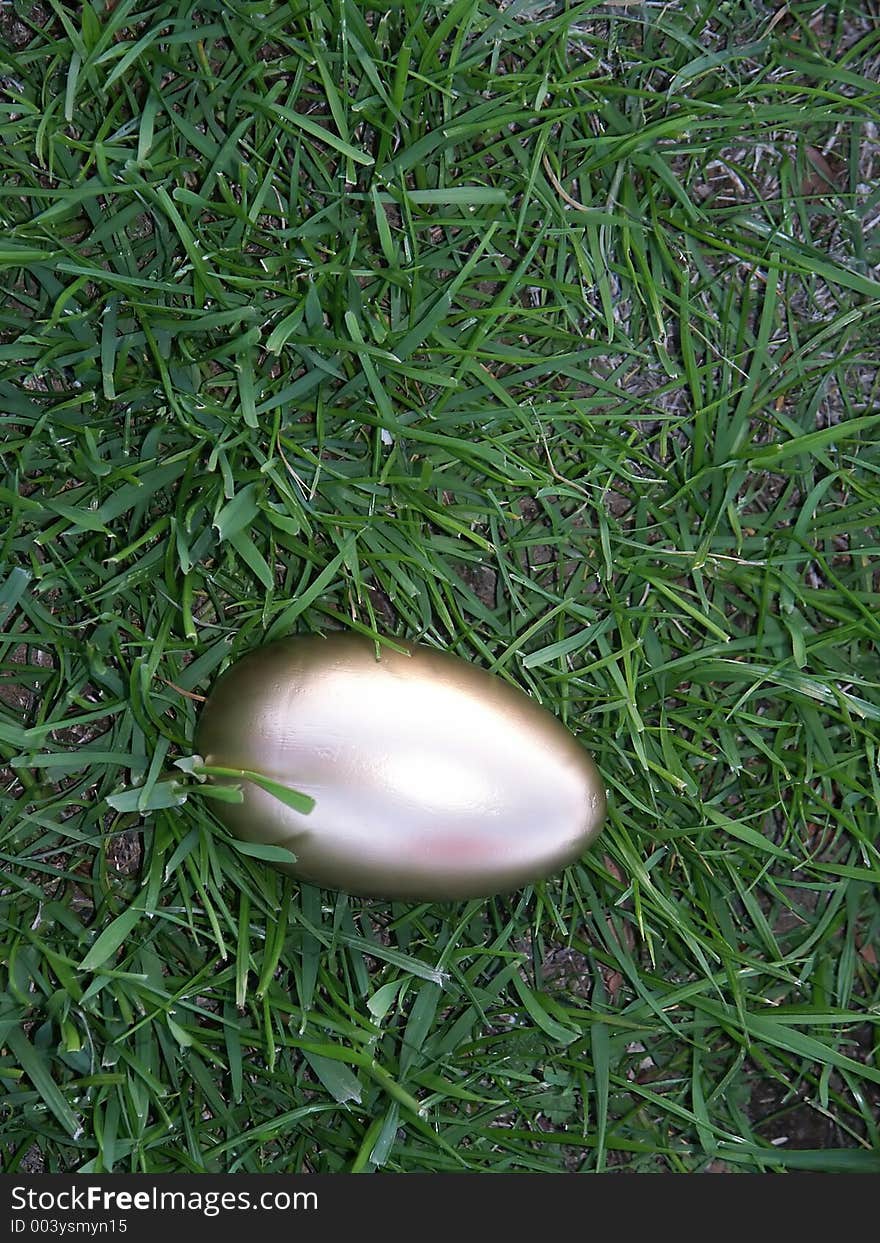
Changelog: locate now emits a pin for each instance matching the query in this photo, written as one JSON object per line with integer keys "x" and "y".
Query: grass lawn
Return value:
{"x": 543, "y": 333}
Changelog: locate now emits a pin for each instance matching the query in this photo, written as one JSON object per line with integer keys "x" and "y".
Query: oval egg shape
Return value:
{"x": 432, "y": 779}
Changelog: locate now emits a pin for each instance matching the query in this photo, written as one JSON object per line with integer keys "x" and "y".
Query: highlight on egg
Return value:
{"x": 431, "y": 778}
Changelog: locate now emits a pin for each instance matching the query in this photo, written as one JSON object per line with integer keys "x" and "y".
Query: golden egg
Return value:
{"x": 431, "y": 778}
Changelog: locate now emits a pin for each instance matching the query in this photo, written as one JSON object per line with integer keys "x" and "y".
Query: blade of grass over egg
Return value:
{"x": 302, "y": 803}
{"x": 268, "y": 853}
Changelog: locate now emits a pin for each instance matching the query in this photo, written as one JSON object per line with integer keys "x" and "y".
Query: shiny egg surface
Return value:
{"x": 432, "y": 778}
